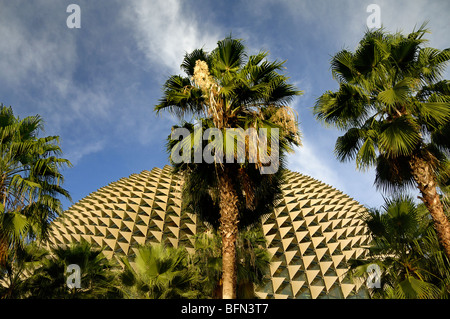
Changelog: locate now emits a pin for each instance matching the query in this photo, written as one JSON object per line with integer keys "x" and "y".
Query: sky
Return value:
{"x": 96, "y": 86}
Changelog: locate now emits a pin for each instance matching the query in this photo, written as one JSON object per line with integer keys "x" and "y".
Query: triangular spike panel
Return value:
{"x": 312, "y": 233}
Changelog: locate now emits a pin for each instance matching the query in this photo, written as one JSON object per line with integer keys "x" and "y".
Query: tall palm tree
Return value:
{"x": 228, "y": 89}
{"x": 30, "y": 180}
{"x": 395, "y": 110}
{"x": 159, "y": 272}
{"x": 406, "y": 249}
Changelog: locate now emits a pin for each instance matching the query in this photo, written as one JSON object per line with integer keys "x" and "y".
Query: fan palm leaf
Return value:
{"x": 30, "y": 179}
{"x": 159, "y": 272}
{"x": 406, "y": 248}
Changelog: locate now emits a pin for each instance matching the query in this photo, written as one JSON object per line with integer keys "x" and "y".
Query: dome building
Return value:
{"x": 311, "y": 234}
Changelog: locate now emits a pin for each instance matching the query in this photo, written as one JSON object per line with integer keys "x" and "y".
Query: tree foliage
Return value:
{"x": 395, "y": 108}
{"x": 227, "y": 89}
{"x": 406, "y": 248}
{"x": 392, "y": 103}
{"x": 38, "y": 273}
{"x": 30, "y": 180}
{"x": 159, "y": 272}
{"x": 230, "y": 90}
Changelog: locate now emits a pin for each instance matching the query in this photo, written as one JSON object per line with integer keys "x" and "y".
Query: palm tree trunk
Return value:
{"x": 3, "y": 250}
{"x": 228, "y": 229}
{"x": 425, "y": 179}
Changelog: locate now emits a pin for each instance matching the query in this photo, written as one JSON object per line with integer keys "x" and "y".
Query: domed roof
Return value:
{"x": 313, "y": 231}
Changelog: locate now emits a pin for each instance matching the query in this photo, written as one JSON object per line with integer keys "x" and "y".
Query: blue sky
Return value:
{"x": 96, "y": 86}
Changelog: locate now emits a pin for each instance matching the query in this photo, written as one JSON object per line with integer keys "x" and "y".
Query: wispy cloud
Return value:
{"x": 32, "y": 47}
{"x": 166, "y": 29}
{"x": 77, "y": 150}
{"x": 96, "y": 87}
{"x": 40, "y": 65}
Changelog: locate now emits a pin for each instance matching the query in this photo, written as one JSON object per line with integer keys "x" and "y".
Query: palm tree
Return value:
{"x": 30, "y": 180}
{"x": 159, "y": 272}
{"x": 253, "y": 262}
{"x": 16, "y": 269}
{"x": 406, "y": 248}
{"x": 228, "y": 89}
{"x": 395, "y": 110}
{"x": 98, "y": 275}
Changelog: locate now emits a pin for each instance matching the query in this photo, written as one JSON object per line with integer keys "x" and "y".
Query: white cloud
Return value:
{"x": 311, "y": 161}
{"x": 77, "y": 152}
{"x": 165, "y": 30}
{"x": 345, "y": 20}
{"x": 38, "y": 64}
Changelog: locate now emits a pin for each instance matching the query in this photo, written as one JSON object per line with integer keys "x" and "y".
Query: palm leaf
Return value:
{"x": 342, "y": 66}
{"x": 344, "y": 108}
{"x": 228, "y": 56}
{"x": 393, "y": 174}
{"x": 366, "y": 156}
{"x": 431, "y": 64}
{"x": 396, "y": 94}
{"x": 434, "y": 113}
{"x": 190, "y": 59}
{"x": 412, "y": 288}
{"x": 15, "y": 225}
{"x": 440, "y": 136}
{"x": 399, "y": 137}
{"x": 347, "y": 146}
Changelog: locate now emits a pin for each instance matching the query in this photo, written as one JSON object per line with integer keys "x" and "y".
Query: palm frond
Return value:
{"x": 396, "y": 94}
{"x": 399, "y": 137}
{"x": 393, "y": 174}
{"x": 344, "y": 108}
{"x": 229, "y": 56}
{"x": 347, "y": 145}
{"x": 431, "y": 64}
{"x": 412, "y": 288}
{"x": 190, "y": 59}
{"x": 342, "y": 66}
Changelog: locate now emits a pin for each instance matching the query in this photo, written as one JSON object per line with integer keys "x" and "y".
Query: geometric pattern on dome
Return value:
{"x": 311, "y": 234}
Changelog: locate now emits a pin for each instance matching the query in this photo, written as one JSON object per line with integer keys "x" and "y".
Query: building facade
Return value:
{"x": 312, "y": 233}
